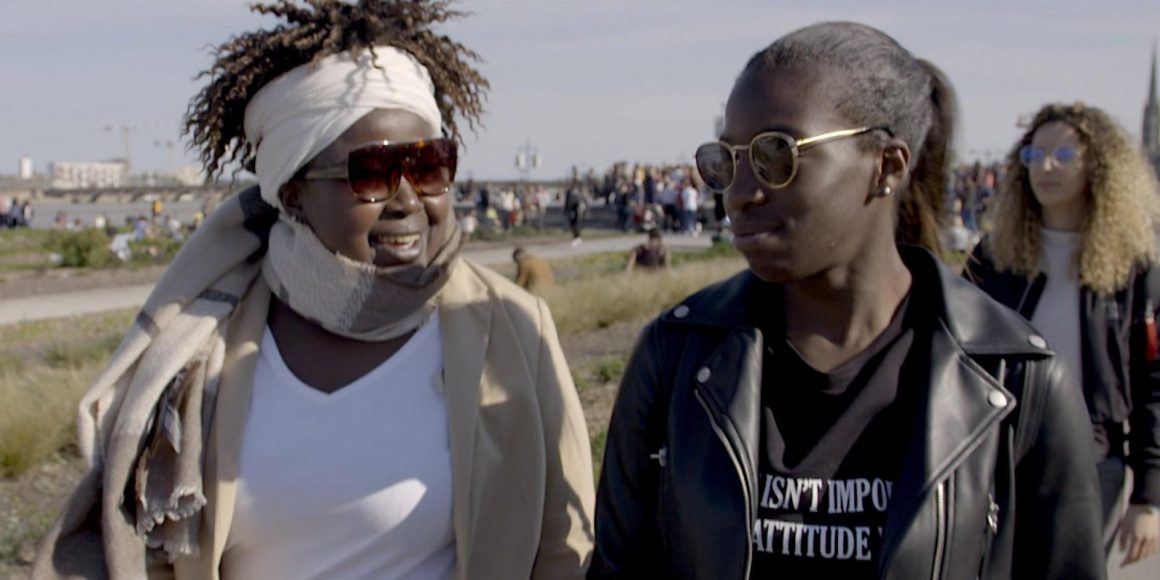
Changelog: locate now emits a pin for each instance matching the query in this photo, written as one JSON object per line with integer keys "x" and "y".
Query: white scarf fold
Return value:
{"x": 296, "y": 116}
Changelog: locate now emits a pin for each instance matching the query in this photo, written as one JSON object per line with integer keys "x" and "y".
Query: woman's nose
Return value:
{"x": 1050, "y": 163}
{"x": 745, "y": 191}
{"x": 405, "y": 201}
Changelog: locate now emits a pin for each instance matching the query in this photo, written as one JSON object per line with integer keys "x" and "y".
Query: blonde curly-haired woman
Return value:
{"x": 1072, "y": 247}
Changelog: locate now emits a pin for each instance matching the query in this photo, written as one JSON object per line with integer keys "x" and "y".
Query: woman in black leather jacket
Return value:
{"x": 1072, "y": 248}
{"x": 846, "y": 408}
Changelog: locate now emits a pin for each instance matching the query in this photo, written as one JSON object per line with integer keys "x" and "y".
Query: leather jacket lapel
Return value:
{"x": 738, "y": 361}
{"x": 962, "y": 404}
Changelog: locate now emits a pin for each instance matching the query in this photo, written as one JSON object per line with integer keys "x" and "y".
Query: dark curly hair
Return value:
{"x": 313, "y": 30}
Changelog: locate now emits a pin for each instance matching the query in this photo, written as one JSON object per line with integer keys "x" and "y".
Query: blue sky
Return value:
{"x": 588, "y": 82}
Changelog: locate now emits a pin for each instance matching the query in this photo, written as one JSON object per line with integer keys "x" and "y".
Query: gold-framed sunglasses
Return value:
{"x": 374, "y": 170}
{"x": 773, "y": 155}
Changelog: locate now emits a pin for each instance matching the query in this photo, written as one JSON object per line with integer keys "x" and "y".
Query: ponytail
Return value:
{"x": 921, "y": 214}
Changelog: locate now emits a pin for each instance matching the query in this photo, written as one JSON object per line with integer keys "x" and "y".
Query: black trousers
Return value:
{"x": 1112, "y": 476}
{"x": 576, "y": 221}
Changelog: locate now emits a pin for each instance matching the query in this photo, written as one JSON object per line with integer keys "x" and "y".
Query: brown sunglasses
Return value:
{"x": 375, "y": 170}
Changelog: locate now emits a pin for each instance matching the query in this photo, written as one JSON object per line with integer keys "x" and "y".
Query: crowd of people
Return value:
{"x": 135, "y": 229}
{"x": 668, "y": 198}
{"x": 15, "y": 213}
{"x": 674, "y": 199}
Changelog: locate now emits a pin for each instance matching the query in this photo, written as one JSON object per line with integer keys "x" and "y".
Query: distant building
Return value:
{"x": 73, "y": 175}
{"x": 26, "y": 168}
{"x": 1150, "y": 135}
{"x": 191, "y": 175}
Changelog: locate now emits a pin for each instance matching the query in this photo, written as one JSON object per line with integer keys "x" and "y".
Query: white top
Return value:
{"x": 354, "y": 484}
{"x": 1056, "y": 315}
{"x": 689, "y": 198}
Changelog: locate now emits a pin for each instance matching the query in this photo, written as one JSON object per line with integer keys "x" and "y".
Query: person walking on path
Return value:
{"x": 321, "y": 386}
{"x": 1072, "y": 248}
{"x": 847, "y": 407}
{"x": 575, "y": 209}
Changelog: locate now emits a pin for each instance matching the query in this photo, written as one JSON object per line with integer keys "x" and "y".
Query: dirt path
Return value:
{"x": 20, "y": 284}
{"x": 52, "y": 296}
{"x": 63, "y": 280}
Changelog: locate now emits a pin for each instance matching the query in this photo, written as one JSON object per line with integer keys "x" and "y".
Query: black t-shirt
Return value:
{"x": 832, "y": 449}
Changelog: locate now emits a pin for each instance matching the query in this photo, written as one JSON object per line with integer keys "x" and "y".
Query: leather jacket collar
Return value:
{"x": 745, "y": 299}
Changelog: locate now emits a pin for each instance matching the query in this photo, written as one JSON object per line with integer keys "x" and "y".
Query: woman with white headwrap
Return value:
{"x": 320, "y": 386}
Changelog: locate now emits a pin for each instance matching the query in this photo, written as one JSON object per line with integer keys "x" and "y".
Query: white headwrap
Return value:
{"x": 297, "y": 115}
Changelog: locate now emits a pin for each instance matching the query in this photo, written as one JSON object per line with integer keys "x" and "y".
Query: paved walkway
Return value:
{"x": 101, "y": 300}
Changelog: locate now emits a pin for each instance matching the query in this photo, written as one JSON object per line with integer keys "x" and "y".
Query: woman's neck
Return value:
{"x": 1066, "y": 217}
{"x": 835, "y": 315}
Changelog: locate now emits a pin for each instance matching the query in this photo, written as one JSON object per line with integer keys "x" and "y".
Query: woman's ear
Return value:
{"x": 291, "y": 197}
{"x": 893, "y": 167}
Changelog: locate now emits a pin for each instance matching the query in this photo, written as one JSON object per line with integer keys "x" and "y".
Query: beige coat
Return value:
{"x": 520, "y": 458}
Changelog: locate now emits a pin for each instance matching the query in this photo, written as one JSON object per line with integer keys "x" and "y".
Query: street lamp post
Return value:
{"x": 168, "y": 145}
{"x": 527, "y": 159}
{"x": 125, "y": 131}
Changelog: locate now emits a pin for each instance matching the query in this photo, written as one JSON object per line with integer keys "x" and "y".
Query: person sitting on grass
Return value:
{"x": 651, "y": 255}
{"x": 532, "y": 272}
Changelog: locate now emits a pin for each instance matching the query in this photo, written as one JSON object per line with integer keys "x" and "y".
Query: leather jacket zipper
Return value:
{"x": 940, "y": 531}
{"x": 749, "y": 519}
{"x": 992, "y": 514}
{"x": 1023, "y": 299}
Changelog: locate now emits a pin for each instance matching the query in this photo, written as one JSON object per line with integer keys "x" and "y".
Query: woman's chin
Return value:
{"x": 772, "y": 270}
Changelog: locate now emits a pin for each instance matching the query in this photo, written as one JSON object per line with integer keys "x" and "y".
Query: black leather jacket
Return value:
{"x": 1120, "y": 384}
{"x": 999, "y": 479}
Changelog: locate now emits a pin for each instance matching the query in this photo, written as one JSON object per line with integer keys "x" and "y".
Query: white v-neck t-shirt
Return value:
{"x": 353, "y": 484}
{"x": 1056, "y": 314}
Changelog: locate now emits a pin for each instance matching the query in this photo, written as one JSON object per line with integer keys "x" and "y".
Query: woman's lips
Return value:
{"x": 395, "y": 241}
{"x": 745, "y": 238}
{"x": 746, "y": 241}
{"x": 396, "y": 247}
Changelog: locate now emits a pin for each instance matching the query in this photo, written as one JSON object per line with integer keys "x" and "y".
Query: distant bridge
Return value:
{"x": 165, "y": 193}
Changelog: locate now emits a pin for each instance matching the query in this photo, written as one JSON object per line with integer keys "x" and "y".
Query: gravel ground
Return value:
{"x": 28, "y": 506}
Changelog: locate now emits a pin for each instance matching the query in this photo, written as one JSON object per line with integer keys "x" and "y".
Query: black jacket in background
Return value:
{"x": 999, "y": 478}
{"x": 1119, "y": 382}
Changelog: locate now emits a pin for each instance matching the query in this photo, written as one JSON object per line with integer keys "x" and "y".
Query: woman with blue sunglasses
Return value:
{"x": 1072, "y": 248}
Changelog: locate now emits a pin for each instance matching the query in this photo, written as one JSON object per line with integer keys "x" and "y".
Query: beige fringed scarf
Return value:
{"x": 144, "y": 421}
{"x": 353, "y": 299}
